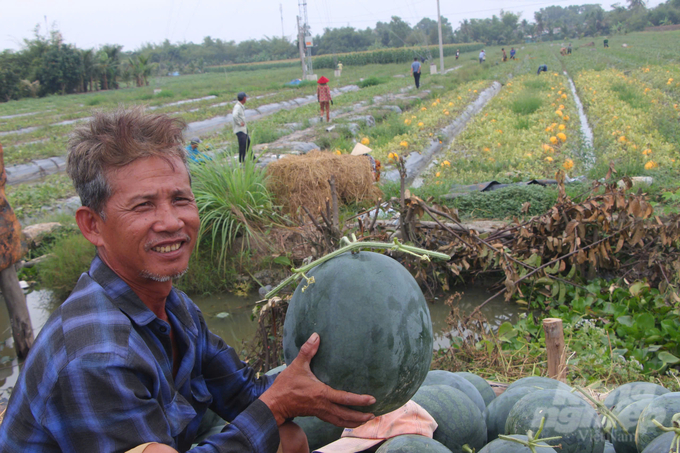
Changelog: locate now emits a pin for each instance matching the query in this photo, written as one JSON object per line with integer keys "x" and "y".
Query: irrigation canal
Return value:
{"x": 229, "y": 317}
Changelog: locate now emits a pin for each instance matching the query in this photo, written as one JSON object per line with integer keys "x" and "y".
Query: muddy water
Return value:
{"x": 229, "y": 317}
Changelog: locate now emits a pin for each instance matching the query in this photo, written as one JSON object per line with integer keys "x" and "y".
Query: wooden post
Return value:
{"x": 22, "y": 331}
{"x": 554, "y": 345}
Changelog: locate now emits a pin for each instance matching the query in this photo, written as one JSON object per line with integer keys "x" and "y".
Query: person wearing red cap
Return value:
{"x": 323, "y": 95}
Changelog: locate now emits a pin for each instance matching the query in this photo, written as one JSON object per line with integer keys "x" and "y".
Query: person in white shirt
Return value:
{"x": 240, "y": 128}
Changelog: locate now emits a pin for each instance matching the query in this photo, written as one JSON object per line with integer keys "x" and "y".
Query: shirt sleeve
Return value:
{"x": 103, "y": 403}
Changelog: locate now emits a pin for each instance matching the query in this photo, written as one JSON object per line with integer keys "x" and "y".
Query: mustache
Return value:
{"x": 174, "y": 237}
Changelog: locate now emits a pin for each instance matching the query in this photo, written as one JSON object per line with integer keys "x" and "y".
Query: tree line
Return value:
{"x": 46, "y": 65}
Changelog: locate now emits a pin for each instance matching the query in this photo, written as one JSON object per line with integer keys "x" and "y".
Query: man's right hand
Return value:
{"x": 297, "y": 392}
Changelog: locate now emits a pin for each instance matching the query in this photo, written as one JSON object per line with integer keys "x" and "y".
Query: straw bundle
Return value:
{"x": 297, "y": 181}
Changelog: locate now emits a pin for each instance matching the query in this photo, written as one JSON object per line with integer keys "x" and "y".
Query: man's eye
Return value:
{"x": 142, "y": 205}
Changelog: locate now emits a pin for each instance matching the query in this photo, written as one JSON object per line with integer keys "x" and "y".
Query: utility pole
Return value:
{"x": 302, "y": 5}
{"x": 301, "y": 48}
{"x": 281, "y": 9}
{"x": 441, "y": 45}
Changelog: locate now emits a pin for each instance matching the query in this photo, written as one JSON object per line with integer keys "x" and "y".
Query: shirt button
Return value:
{"x": 163, "y": 329}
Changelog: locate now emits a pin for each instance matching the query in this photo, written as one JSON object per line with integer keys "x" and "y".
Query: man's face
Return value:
{"x": 151, "y": 221}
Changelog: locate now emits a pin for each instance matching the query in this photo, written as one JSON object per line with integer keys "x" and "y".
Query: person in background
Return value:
{"x": 542, "y": 68}
{"x": 323, "y": 95}
{"x": 569, "y": 49}
{"x": 194, "y": 154}
{"x": 512, "y": 53}
{"x": 240, "y": 128}
{"x": 340, "y": 66}
{"x": 505, "y": 56}
{"x": 415, "y": 70}
{"x": 127, "y": 362}
{"x": 457, "y": 53}
{"x": 606, "y": 43}
{"x": 482, "y": 56}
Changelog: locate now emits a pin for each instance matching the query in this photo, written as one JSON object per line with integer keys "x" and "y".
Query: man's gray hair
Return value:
{"x": 114, "y": 140}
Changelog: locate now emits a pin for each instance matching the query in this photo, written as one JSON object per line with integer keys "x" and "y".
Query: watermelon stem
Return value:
{"x": 609, "y": 420}
{"x": 351, "y": 245}
{"x": 532, "y": 441}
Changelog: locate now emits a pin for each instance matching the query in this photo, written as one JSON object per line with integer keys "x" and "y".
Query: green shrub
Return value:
{"x": 94, "y": 101}
{"x": 630, "y": 95}
{"x": 166, "y": 94}
{"x": 371, "y": 81}
{"x": 502, "y": 203}
{"x": 70, "y": 257}
{"x": 233, "y": 201}
{"x": 214, "y": 93}
{"x": 526, "y": 104}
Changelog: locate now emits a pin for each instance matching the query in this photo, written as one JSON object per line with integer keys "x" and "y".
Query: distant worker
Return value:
{"x": 323, "y": 95}
{"x": 194, "y": 154}
{"x": 457, "y": 53}
{"x": 542, "y": 68}
{"x": 606, "y": 43}
{"x": 505, "y": 57}
{"x": 339, "y": 67}
{"x": 569, "y": 49}
{"x": 415, "y": 70}
{"x": 512, "y": 53}
{"x": 482, "y": 56}
{"x": 240, "y": 128}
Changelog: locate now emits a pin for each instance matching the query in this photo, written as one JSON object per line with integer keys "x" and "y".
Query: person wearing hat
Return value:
{"x": 323, "y": 95}
{"x": 240, "y": 128}
{"x": 192, "y": 151}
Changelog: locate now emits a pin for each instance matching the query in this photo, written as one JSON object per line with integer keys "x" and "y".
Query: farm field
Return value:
{"x": 528, "y": 131}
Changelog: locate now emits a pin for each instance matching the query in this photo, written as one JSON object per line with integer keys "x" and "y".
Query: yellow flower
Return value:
{"x": 491, "y": 159}
{"x": 553, "y": 140}
{"x": 451, "y": 103}
{"x": 437, "y": 174}
{"x": 446, "y": 163}
{"x": 434, "y": 104}
{"x": 562, "y": 127}
{"x": 337, "y": 151}
{"x": 421, "y": 124}
{"x": 446, "y": 112}
{"x": 565, "y": 117}
{"x": 437, "y": 101}
{"x": 527, "y": 155}
{"x": 459, "y": 98}
{"x": 622, "y": 139}
{"x": 647, "y": 152}
{"x": 423, "y": 109}
{"x": 486, "y": 150}
{"x": 558, "y": 112}
{"x": 407, "y": 121}
{"x": 548, "y": 129}
{"x": 548, "y": 159}
{"x": 564, "y": 96}
{"x": 561, "y": 107}
{"x": 562, "y": 136}
{"x": 651, "y": 165}
{"x": 546, "y": 148}
{"x": 568, "y": 164}
{"x": 403, "y": 144}
{"x": 474, "y": 91}
{"x": 365, "y": 141}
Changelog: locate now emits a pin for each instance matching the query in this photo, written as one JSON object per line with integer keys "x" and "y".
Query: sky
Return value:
{"x": 132, "y": 23}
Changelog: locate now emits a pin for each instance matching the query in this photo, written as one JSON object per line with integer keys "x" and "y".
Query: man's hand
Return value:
{"x": 296, "y": 392}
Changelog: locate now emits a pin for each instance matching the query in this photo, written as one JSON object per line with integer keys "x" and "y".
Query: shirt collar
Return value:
{"x": 129, "y": 303}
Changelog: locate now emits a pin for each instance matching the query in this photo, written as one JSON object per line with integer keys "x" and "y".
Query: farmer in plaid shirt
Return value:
{"x": 127, "y": 363}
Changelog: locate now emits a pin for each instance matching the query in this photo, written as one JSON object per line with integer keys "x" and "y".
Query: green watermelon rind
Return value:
{"x": 374, "y": 324}
{"x": 481, "y": 384}
{"x": 443, "y": 377}
{"x": 508, "y": 446}
{"x": 410, "y": 443}
{"x": 633, "y": 388}
{"x": 662, "y": 408}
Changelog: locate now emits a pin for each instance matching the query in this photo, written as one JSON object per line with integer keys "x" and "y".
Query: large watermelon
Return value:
{"x": 628, "y": 416}
{"x": 631, "y": 389}
{"x": 442, "y": 377}
{"x": 662, "y": 408}
{"x": 412, "y": 443}
{"x": 497, "y": 411}
{"x": 566, "y": 415}
{"x": 625, "y": 402}
{"x": 460, "y": 421}
{"x": 662, "y": 444}
{"x": 374, "y": 324}
{"x": 481, "y": 385}
{"x": 508, "y": 446}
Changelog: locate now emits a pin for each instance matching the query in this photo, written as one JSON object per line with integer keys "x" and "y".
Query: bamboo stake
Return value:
{"x": 554, "y": 345}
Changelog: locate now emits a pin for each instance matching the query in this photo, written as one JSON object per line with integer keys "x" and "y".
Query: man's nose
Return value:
{"x": 168, "y": 218}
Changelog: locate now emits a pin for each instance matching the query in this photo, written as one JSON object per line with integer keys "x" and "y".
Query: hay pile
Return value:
{"x": 297, "y": 181}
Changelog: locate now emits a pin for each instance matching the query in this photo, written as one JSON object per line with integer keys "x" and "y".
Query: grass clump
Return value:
{"x": 70, "y": 257}
{"x": 526, "y": 104}
{"x": 630, "y": 96}
{"x": 233, "y": 201}
{"x": 370, "y": 81}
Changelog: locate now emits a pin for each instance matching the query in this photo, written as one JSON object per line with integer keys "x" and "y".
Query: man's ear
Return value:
{"x": 89, "y": 223}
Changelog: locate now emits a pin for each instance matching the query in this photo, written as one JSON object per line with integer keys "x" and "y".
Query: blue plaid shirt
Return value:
{"x": 99, "y": 379}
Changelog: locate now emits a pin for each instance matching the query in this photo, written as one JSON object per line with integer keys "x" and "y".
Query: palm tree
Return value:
{"x": 637, "y": 4}
{"x": 104, "y": 65}
{"x": 89, "y": 69}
